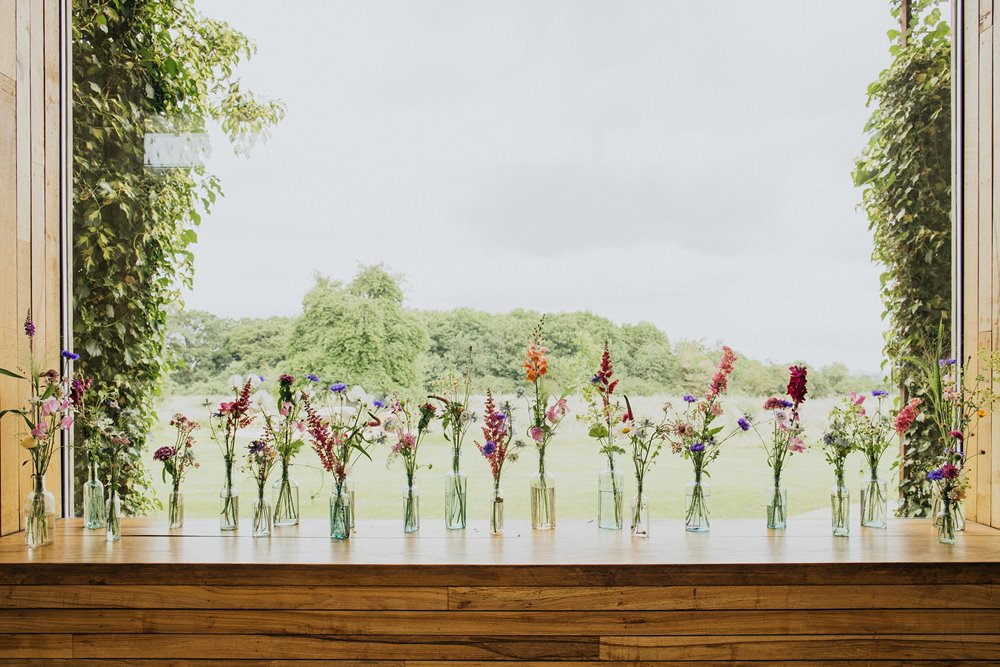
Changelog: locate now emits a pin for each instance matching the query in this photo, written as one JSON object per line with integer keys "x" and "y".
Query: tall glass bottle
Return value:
{"x": 697, "y": 495}
{"x": 496, "y": 511}
{"x": 411, "y": 507}
{"x": 874, "y": 500}
{"x": 543, "y": 497}
{"x": 340, "y": 513}
{"x": 39, "y": 513}
{"x": 93, "y": 498}
{"x": 229, "y": 501}
{"x": 840, "y": 504}
{"x": 114, "y": 512}
{"x": 455, "y": 484}
{"x": 285, "y": 492}
{"x": 777, "y": 506}
{"x": 610, "y": 492}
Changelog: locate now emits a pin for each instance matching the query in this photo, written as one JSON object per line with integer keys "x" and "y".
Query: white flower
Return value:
{"x": 256, "y": 380}
{"x": 357, "y": 394}
{"x": 236, "y": 381}
{"x": 263, "y": 399}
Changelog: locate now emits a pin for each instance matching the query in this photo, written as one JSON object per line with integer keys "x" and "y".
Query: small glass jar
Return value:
{"x": 610, "y": 494}
{"x": 411, "y": 508}
{"x": 39, "y": 514}
{"x": 340, "y": 514}
{"x": 840, "y": 504}
{"x": 455, "y": 484}
{"x": 697, "y": 495}
{"x": 777, "y": 507}
{"x": 874, "y": 501}
{"x": 543, "y": 501}
{"x": 175, "y": 509}
{"x": 640, "y": 515}
{"x": 93, "y": 499}
{"x": 285, "y": 496}
{"x": 261, "y": 516}
{"x": 946, "y": 523}
{"x": 114, "y": 512}
{"x": 496, "y": 511}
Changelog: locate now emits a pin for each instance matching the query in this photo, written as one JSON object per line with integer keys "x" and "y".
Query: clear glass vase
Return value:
{"x": 340, "y": 514}
{"x": 349, "y": 490}
{"x": 496, "y": 511}
{"x": 696, "y": 497}
{"x": 946, "y": 523}
{"x": 39, "y": 513}
{"x": 455, "y": 484}
{"x": 640, "y": 515}
{"x": 874, "y": 501}
{"x": 93, "y": 499}
{"x": 261, "y": 515}
{"x": 610, "y": 492}
{"x": 411, "y": 508}
{"x": 114, "y": 512}
{"x": 777, "y": 506}
{"x": 229, "y": 502}
{"x": 840, "y": 504}
{"x": 285, "y": 492}
{"x": 543, "y": 501}
{"x": 175, "y": 509}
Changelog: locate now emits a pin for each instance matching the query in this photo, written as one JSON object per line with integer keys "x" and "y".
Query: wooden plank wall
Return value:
{"x": 29, "y": 220}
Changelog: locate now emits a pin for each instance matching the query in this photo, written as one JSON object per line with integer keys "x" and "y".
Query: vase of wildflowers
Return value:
{"x": 545, "y": 415}
{"x": 453, "y": 394}
{"x": 602, "y": 418}
{"x": 695, "y": 436}
{"x": 226, "y": 423}
{"x": 47, "y": 414}
{"x": 406, "y": 447}
{"x": 89, "y": 426}
{"x": 645, "y": 439}
{"x": 837, "y": 446}
{"x": 260, "y": 461}
{"x": 177, "y": 460}
{"x": 338, "y": 438}
{"x": 498, "y": 447}
{"x": 949, "y": 478}
{"x": 285, "y": 431}
{"x": 115, "y": 449}
{"x": 785, "y": 440}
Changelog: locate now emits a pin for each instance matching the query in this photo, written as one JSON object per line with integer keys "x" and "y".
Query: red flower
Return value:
{"x": 720, "y": 381}
{"x": 797, "y": 384}
{"x": 906, "y": 416}
{"x": 950, "y": 471}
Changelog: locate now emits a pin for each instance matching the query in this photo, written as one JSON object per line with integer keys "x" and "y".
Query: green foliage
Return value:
{"x": 144, "y": 66}
{"x": 905, "y": 176}
{"x": 357, "y": 335}
{"x": 361, "y": 333}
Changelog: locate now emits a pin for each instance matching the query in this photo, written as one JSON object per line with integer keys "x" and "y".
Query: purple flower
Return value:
{"x": 29, "y": 327}
{"x": 950, "y": 361}
{"x": 66, "y": 354}
{"x": 378, "y": 404}
{"x": 595, "y": 380}
{"x": 743, "y": 423}
{"x": 698, "y": 447}
{"x": 688, "y": 398}
{"x": 164, "y": 453}
{"x": 312, "y": 378}
{"x": 256, "y": 447}
{"x": 338, "y": 388}
{"x": 489, "y": 448}
{"x": 879, "y": 393}
{"x": 935, "y": 475}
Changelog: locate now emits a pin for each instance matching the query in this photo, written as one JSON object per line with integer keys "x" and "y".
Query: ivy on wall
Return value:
{"x": 905, "y": 176}
{"x": 144, "y": 66}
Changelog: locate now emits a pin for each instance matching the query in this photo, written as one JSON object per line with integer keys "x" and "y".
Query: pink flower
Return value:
{"x": 956, "y": 434}
{"x": 50, "y": 405}
{"x": 537, "y": 434}
{"x": 716, "y": 409}
{"x": 556, "y": 411}
{"x": 67, "y": 422}
{"x": 285, "y": 409}
{"x": 906, "y": 416}
{"x": 950, "y": 471}
{"x": 858, "y": 398}
{"x": 300, "y": 426}
{"x": 40, "y": 430}
{"x": 796, "y": 445}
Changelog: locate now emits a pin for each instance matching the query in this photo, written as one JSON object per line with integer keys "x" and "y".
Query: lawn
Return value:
{"x": 739, "y": 477}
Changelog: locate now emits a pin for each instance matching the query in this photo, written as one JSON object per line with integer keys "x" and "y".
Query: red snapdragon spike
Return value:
{"x": 797, "y": 383}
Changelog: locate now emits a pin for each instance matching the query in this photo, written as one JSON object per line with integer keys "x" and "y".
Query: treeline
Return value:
{"x": 360, "y": 332}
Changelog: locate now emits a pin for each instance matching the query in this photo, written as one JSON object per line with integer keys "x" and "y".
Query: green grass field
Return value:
{"x": 739, "y": 477}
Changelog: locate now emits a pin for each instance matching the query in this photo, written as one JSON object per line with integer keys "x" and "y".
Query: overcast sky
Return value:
{"x": 685, "y": 163}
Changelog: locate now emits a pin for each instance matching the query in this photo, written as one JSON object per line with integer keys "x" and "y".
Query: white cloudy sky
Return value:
{"x": 686, "y": 163}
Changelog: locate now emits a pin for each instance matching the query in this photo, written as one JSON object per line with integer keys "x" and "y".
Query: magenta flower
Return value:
{"x": 796, "y": 445}
{"x": 164, "y": 453}
{"x": 537, "y": 434}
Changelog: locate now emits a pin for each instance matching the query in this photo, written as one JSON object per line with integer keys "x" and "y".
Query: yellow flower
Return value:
{"x": 29, "y": 443}
{"x": 981, "y": 413}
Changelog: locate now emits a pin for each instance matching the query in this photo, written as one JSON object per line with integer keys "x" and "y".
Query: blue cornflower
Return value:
{"x": 879, "y": 393}
{"x": 338, "y": 388}
{"x": 935, "y": 475}
{"x": 312, "y": 378}
{"x": 688, "y": 398}
{"x": 66, "y": 354}
{"x": 743, "y": 423}
{"x": 378, "y": 404}
{"x": 489, "y": 448}
{"x": 950, "y": 361}
{"x": 698, "y": 447}
{"x": 595, "y": 380}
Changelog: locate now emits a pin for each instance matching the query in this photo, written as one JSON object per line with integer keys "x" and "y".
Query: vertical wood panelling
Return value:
{"x": 29, "y": 221}
{"x": 970, "y": 180}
